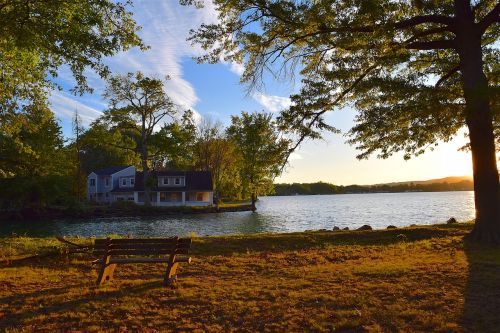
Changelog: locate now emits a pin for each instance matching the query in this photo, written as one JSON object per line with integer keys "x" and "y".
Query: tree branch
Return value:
{"x": 490, "y": 18}
{"x": 432, "y": 45}
{"x": 417, "y": 20}
{"x": 426, "y": 33}
{"x": 447, "y": 75}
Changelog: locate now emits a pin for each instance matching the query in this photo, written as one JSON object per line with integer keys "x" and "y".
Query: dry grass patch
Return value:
{"x": 319, "y": 281}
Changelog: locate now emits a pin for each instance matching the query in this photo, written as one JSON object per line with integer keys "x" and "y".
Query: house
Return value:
{"x": 100, "y": 183}
{"x": 168, "y": 188}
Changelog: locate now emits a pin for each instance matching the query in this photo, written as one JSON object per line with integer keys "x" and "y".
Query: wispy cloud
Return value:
{"x": 165, "y": 27}
{"x": 272, "y": 103}
{"x": 64, "y": 106}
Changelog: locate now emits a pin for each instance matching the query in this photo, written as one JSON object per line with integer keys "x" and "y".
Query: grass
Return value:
{"x": 370, "y": 281}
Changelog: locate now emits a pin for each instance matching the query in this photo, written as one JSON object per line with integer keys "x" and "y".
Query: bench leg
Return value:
{"x": 171, "y": 274}
{"x": 105, "y": 273}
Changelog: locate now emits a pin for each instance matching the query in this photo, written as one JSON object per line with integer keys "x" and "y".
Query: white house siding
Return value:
{"x": 127, "y": 172}
{"x": 92, "y": 190}
{"x": 100, "y": 192}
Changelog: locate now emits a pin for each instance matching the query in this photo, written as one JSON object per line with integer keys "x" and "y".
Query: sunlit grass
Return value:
{"x": 372, "y": 281}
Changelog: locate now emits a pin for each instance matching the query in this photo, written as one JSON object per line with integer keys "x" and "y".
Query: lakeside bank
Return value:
{"x": 417, "y": 279}
{"x": 116, "y": 210}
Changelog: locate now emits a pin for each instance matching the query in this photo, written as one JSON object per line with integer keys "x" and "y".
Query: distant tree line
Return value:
{"x": 141, "y": 127}
{"x": 326, "y": 188}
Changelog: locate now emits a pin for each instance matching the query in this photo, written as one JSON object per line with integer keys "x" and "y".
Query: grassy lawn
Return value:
{"x": 414, "y": 279}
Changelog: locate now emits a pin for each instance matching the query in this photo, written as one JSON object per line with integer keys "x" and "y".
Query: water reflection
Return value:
{"x": 275, "y": 214}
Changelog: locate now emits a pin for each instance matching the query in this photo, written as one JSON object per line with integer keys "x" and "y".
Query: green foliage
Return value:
{"x": 263, "y": 151}
{"x": 101, "y": 147}
{"x": 35, "y": 167}
{"x": 30, "y": 144}
{"x": 37, "y": 37}
{"x": 398, "y": 63}
{"x": 326, "y": 188}
{"x": 138, "y": 104}
{"x": 175, "y": 144}
{"x": 217, "y": 153}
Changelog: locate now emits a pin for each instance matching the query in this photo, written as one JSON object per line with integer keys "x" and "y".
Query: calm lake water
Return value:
{"x": 276, "y": 214}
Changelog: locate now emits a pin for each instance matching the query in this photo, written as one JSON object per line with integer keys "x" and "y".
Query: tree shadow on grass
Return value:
{"x": 302, "y": 241}
{"x": 482, "y": 293}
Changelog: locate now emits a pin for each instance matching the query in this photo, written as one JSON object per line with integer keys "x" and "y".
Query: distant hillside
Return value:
{"x": 449, "y": 180}
{"x": 433, "y": 185}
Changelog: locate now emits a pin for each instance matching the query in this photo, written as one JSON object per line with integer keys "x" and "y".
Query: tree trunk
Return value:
{"x": 254, "y": 200}
{"x": 144, "y": 162}
{"x": 479, "y": 121}
{"x": 217, "y": 200}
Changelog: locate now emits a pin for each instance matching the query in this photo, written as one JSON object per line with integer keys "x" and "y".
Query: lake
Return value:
{"x": 275, "y": 214}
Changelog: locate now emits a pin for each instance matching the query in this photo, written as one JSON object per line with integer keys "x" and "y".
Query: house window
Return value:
{"x": 132, "y": 181}
{"x": 107, "y": 182}
{"x": 170, "y": 196}
{"x": 177, "y": 181}
{"x": 92, "y": 182}
{"x": 124, "y": 182}
{"x": 199, "y": 196}
{"x": 107, "y": 194}
{"x": 165, "y": 181}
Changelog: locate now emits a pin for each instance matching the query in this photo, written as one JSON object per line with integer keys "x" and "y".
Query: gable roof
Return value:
{"x": 110, "y": 170}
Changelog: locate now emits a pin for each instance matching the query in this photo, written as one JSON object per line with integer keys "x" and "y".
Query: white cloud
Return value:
{"x": 237, "y": 68}
{"x": 165, "y": 27}
{"x": 64, "y": 105}
{"x": 295, "y": 156}
{"x": 272, "y": 103}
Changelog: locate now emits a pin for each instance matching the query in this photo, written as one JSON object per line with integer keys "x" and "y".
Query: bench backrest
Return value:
{"x": 146, "y": 246}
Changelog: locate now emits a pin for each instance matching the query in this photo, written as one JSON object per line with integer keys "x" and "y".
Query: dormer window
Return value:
{"x": 165, "y": 181}
{"x": 92, "y": 182}
{"x": 177, "y": 181}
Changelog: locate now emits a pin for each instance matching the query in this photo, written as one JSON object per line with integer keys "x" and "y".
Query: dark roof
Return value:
{"x": 195, "y": 181}
{"x": 110, "y": 170}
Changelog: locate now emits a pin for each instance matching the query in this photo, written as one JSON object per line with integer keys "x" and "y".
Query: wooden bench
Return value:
{"x": 133, "y": 251}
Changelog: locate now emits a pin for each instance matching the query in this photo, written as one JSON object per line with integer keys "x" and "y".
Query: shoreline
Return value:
{"x": 54, "y": 213}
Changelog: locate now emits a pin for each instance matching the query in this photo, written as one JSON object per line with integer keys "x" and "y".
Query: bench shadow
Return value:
{"x": 17, "y": 319}
{"x": 481, "y": 311}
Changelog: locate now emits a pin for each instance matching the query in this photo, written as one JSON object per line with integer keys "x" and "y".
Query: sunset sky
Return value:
{"x": 214, "y": 91}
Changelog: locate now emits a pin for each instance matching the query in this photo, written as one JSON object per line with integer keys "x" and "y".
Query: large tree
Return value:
{"x": 215, "y": 153}
{"x": 175, "y": 144}
{"x": 417, "y": 71}
{"x": 262, "y": 149}
{"x": 102, "y": 145}
{"x": 138, "y": 107}
{"x": 37, "y": 37}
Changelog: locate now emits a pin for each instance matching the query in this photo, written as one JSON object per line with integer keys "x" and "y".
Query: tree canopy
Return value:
{"x": 38, "y": 37}
{"x": 416, "y": 72}
{"x": 262, "y": 149}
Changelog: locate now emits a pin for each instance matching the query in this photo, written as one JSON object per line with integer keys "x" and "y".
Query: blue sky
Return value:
{"x": 214, "y": 91}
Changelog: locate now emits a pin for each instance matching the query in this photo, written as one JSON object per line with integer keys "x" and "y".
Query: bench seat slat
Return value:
{"x": 121, "y": 252}
{"x": 142, "y": 260}
{"x": 101, "y": 241}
